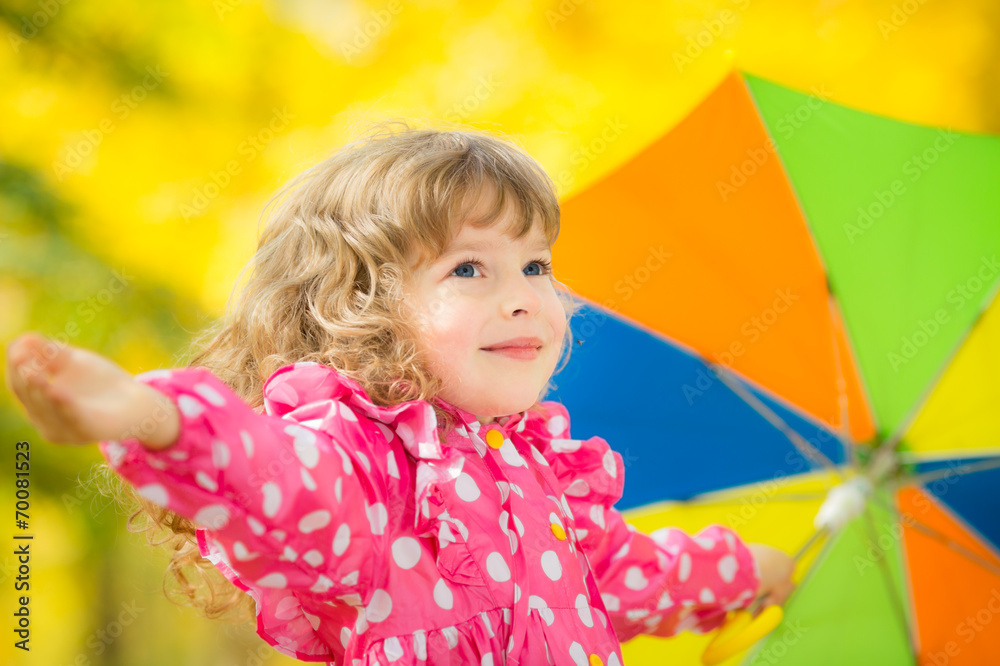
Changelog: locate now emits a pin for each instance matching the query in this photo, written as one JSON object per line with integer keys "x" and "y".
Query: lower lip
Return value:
{"x": 523, "y": 353}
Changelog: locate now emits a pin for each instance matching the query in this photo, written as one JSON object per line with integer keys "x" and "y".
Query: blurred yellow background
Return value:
{"x": 139, "y": 144}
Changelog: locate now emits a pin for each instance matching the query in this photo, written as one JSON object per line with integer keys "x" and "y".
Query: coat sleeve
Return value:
{"x": 661, "y": 583}
{"x": 294, "y": 515}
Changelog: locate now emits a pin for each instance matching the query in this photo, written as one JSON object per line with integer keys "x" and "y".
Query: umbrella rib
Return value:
{"x": 890, "y": 582}
{"x": 845, "y": 424}
{"x": 784, "y": 497}
{"x": 934, "y": 475}
{"x": 953, "y": 545}
{"x": 800, "y": 443}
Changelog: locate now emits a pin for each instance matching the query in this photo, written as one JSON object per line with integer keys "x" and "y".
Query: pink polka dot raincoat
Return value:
{"x": 366, "y": 536}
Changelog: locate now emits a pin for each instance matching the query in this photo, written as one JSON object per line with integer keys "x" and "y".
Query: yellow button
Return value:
{"x": 558, "y": 531}
{"x": 595, "y": 660}
{"x": 494, "y": 438}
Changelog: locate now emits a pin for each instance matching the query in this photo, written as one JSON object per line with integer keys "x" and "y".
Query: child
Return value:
{"x": 361, "y": 447}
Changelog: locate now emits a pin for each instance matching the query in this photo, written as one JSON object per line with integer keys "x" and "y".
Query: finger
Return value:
{"x": 55, "y": 355}
{"x": 43, "y": 411}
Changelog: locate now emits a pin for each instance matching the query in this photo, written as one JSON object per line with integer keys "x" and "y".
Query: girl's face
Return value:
{"x": 488, "y": 288}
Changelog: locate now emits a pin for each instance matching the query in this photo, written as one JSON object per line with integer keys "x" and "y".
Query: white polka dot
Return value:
{"x": 116, "y": 453}
{"x": 241, "y": 553}
{"x": 565, "y": 506}
{"x": 539, "y": 458}
{"x": 321, "y": 585}
{"x": 466, "y": 488}
{"x": 364, "y": 461}
{"x": 278, "y": 534}
{"x": 351, "y": 579}
{"x": 536, "y": 602}
{"x": 578, "y": 488}
{"x": 360, "y": 622}
{"x": 487, "y": 659}
{"x": 420, "y": 644}
{"x": 247, "y": 443}
{"x": 155, "y": 493}
{"x": 450, "y": 636}
{"x": 556, "y": 425}
{"x": 510, "y": 455}
{"x": 213, "y": 516}
{"x": 504, "y": 490}
{"x": 705, "y": 542}
{"x": 610, "y": 466}
{"x": 406, "y": 552}
{"x": 155, "y": 374}
{"x": 517, "y": 593}
{"x": 314, "y": 521}
{"x": 255, "y": 525}
{"x": 220, "y": 454}
{"x": 345, "y": 460}
{"x": 205, "y": 481}
{"x": 730, "y": 541}
{"x": 379, "y": 607}
{"x": 706, "y": 596}
{"x": 209, "y": 394}
{"x": 337, "y": 488}
{"x": 578, "y": 654}
{"x": 566, "y": 445}
{"x": 519, "y": 525}
{"x": 393, "y": 650}
{"x": 583, "y": 608}
{"x": 313, "y": 557}
{"x": 442, "y": 595}
{"x": 551, "y": 565}
{"x": 378, "y": 517}
{"x": 597, "y": 515}
{"x": 611, "y": 602}
{"x": 497, "y": 567}
{"x": 634, "y": 580}
{"x": 391, "y": 468}
{"x": 684, "y": 568}
{"x": 272, "y": 498}
{"x": 665, "y": 601}
{"x": 307, "y": 480}
{"x": 727, "y": 568}
{"x": 304, "y": 441}
{"x": 613, "y": 660}
{"x": 189, "y": 406}
{"x": 341, "y": 539}
{"x": 517, "y": 489}
{"x": 347, "y": 413}
{"x": 486, "y": 621}
{"x": 289, "y": 554}
{"x": 276, "y": 580}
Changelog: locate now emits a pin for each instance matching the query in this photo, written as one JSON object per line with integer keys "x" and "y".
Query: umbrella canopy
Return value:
{"x": 783, "y": 293}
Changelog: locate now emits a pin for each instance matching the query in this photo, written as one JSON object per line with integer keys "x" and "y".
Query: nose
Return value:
{"x": 520, "y": 297}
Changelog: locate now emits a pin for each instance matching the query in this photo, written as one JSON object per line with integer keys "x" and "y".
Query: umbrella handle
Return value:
{"x": 740, "y": 631}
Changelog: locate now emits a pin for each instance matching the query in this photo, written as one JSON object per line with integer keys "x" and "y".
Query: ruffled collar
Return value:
{"x": 505, "y": 424}
{"x": 292, "y": 389}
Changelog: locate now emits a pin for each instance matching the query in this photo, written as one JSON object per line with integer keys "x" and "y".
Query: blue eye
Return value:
{"x": 546, "y": 267}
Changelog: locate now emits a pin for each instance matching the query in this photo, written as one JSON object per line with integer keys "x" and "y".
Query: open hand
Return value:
{"x": 75, "y": 396}
{"x": 776, "y": 569}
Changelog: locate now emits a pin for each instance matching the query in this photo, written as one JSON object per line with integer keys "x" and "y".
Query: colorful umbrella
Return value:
{"x": 785, "y": 295}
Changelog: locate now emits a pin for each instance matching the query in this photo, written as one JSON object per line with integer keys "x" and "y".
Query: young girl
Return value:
{"x": 362, "y": 448}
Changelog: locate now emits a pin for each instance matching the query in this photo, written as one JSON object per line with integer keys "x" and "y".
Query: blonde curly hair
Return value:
{"x": 326, "y": 284}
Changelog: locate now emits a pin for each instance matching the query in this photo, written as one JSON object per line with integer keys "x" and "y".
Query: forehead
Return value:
{"x": 496, "y": 237}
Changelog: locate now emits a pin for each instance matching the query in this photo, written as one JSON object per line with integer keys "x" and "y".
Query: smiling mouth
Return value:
{"x": 521, "y": 353}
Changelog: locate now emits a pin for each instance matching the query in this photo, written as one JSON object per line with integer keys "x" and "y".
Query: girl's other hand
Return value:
{"x": 75, "y": 396}
{"x": 776, "y": 569}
